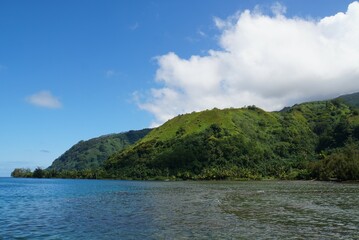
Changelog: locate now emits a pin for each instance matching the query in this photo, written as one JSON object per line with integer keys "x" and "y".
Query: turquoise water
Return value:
{"x": 94, "y": 209}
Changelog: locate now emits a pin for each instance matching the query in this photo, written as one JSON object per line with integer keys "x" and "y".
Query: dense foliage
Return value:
{"x": 53, "y": 173}
{"x": 92, "y": 153}
{"x": 351, "y": 99}
{"x": 315, "y": 140}
{"x": 245, "y": 143}
{"x": 338, "y": 164}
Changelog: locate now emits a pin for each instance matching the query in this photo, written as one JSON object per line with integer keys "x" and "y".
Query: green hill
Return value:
{"x": 351, "y": 99}
{"x": 315, "y": 140}
{"x": 244, "y": 143}
{"x": 92, "y": 153}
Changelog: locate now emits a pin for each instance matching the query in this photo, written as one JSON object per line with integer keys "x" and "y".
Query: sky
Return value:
{"x": 72, "y": 70}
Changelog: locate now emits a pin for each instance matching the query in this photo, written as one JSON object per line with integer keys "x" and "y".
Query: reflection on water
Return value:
{"x": 86, "y": 209}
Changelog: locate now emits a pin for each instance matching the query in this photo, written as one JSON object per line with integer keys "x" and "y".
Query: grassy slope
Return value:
{"x": 92, "y": 153}
{"x": 241, "y": 138}
{"x": 235, "y": 121}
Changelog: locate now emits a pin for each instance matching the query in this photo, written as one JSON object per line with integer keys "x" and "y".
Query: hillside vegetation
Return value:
{"x": 92, "y": 153}
{"x": 315, "y": 140}
{"x": 351, "y": 99}
{"x": 245, "y": 143}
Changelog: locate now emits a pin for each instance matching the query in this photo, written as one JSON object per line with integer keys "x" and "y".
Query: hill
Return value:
{"x": 245, "y": 143}
{"x": 92, "y": 153}
{"x": 351, "y": 99}
{"x": 314, "y": 140}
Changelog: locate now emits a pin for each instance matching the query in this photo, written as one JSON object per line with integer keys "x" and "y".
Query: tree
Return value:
{"x": 342, "y": 164}
{"x": 38, "y": 173}
{"x": 21, "y": 173}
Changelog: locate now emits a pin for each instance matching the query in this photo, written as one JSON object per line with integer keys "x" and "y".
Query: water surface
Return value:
{"x": 96, "y": 209}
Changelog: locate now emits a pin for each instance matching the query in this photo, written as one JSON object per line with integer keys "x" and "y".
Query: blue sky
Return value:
{"x": 74, "y": 70}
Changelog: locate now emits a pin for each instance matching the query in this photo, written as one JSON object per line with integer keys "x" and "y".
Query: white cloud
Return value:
{"x": 278, "y": 9}
{"x": 202, "y": 33}
{"x": 134, "y": 26}
{"x": 114, "y": 74}
{"x": 110, "y": 73}
{"x": 268, "y": 61}
{"x": 44, "y": 99}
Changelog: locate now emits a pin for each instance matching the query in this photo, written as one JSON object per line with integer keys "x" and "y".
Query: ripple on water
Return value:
{"x": 84, "y": 209}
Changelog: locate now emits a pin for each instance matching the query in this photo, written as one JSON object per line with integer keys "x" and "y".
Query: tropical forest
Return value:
{"x": 310, "y": 141}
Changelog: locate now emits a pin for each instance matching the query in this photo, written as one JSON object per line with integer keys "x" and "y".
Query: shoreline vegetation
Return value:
{"x": 40, "y": 173}
{"x": 309, "y": 141}
{"x": 341, "y": 165}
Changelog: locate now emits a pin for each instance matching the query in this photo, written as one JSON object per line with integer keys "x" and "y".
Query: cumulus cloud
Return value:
{"x": 44, "y": 99}
{"x": 268, "y": 61}
{"x": 278, "y": 9}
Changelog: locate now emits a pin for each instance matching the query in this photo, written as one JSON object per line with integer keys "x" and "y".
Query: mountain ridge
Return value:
{"x": 240, "y": 143}
{"x": 351, "y": 99}
{"x": 305, "y": 141}
{"x": 91, "y": 154}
